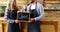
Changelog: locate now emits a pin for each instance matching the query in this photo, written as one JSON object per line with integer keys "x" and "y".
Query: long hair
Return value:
{"x": 14, "y": 6}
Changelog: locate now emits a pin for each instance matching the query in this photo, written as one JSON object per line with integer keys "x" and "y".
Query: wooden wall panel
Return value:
{"x": 1, "y": 29}
{"x": 21, "y": 2}
{"x": 47, "y": 28}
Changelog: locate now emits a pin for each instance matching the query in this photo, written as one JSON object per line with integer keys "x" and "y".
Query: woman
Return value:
{"x": 10, "y": 17}
{"x": 36, "y": 13}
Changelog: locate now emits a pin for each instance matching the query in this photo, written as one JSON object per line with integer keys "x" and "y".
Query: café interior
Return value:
{"x": 50, "y": 23}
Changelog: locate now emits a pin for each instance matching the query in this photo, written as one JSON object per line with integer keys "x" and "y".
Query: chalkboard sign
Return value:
{"x": 23, "y": 16}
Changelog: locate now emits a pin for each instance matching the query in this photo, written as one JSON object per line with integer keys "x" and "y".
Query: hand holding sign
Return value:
{"x": 23, "y": 16}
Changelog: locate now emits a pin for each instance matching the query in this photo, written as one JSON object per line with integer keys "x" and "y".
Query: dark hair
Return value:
{"x": 32, "y": 1}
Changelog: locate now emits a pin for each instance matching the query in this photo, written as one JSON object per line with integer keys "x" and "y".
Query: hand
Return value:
{"x": 32, "y": 20}
{"x": 16, "y": 21}
{"x": 18, "y": 11}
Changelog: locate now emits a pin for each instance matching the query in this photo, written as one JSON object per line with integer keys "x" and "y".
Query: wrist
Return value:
{"x": 35, "y": 19}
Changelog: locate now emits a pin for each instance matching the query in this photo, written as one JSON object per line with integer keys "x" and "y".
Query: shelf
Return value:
{"x": 3, "y": 3}
{"x": 52, "y": 9}
{"x": 52, "y": 2}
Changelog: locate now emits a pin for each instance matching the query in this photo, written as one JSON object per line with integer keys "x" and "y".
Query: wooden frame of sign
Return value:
{"x": 23, "y": 16}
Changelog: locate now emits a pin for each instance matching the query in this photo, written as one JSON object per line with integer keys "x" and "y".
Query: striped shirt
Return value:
{"x": 6, "y": 18}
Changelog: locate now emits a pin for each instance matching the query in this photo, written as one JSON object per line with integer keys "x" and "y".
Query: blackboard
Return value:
{"x": 23, "y": 16}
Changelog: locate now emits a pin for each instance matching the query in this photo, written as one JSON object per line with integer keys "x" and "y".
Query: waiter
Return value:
{"x": 36, "y": 11}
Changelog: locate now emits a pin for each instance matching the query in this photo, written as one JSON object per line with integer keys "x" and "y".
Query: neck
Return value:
{"x": 34, "y": 2}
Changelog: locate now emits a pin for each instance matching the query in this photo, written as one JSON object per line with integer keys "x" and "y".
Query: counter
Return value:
{"x": 52, "y": 9}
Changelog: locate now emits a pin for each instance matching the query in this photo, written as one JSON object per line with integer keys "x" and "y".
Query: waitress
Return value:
{"x": 10, "y": 17}
{"x": 36, "y": 11}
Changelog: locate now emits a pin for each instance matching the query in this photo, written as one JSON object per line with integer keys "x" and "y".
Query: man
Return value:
{"x": 36, "y": 11}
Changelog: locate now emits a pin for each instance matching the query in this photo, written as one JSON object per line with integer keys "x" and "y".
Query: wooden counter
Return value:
{"x": 45, "y": 21}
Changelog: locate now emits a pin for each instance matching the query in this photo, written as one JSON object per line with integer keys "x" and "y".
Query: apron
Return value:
{"x": 13, "y": 27}
{"x": 34, "y": 26}
{"x": 13, "y": 14}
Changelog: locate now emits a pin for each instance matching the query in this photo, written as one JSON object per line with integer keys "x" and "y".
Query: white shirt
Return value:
{"x": 33, "y": 6}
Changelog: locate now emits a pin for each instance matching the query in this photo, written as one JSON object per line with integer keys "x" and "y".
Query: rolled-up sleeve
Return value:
{"x": 6, "y": 16}
{"x": 41, "y": 15}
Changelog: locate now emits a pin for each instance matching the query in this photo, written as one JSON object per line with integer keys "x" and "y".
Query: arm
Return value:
{"x": 41, "y": 10}
{"x": 6, "y": 16}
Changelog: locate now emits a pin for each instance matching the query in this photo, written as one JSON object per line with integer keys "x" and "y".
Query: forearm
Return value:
{"x": 41, "y": 13}
{"x": 9, "y": 20}
{"x": 39, "y": 17}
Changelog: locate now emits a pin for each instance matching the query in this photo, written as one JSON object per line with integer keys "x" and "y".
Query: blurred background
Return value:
{"x": 51, "y": 22}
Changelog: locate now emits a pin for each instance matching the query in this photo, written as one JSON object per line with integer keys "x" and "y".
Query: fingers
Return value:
{"x": 16, "y": 21}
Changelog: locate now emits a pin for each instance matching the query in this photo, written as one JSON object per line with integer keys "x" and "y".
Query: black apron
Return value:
{"x": 13, "y": 14}
{"x": 13, "y": 27}
{"x": 34, "y": 26}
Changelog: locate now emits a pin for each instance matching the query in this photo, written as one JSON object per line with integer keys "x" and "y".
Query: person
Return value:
{"x": 36, "y": 11}
{"x": 10, "y": 17}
